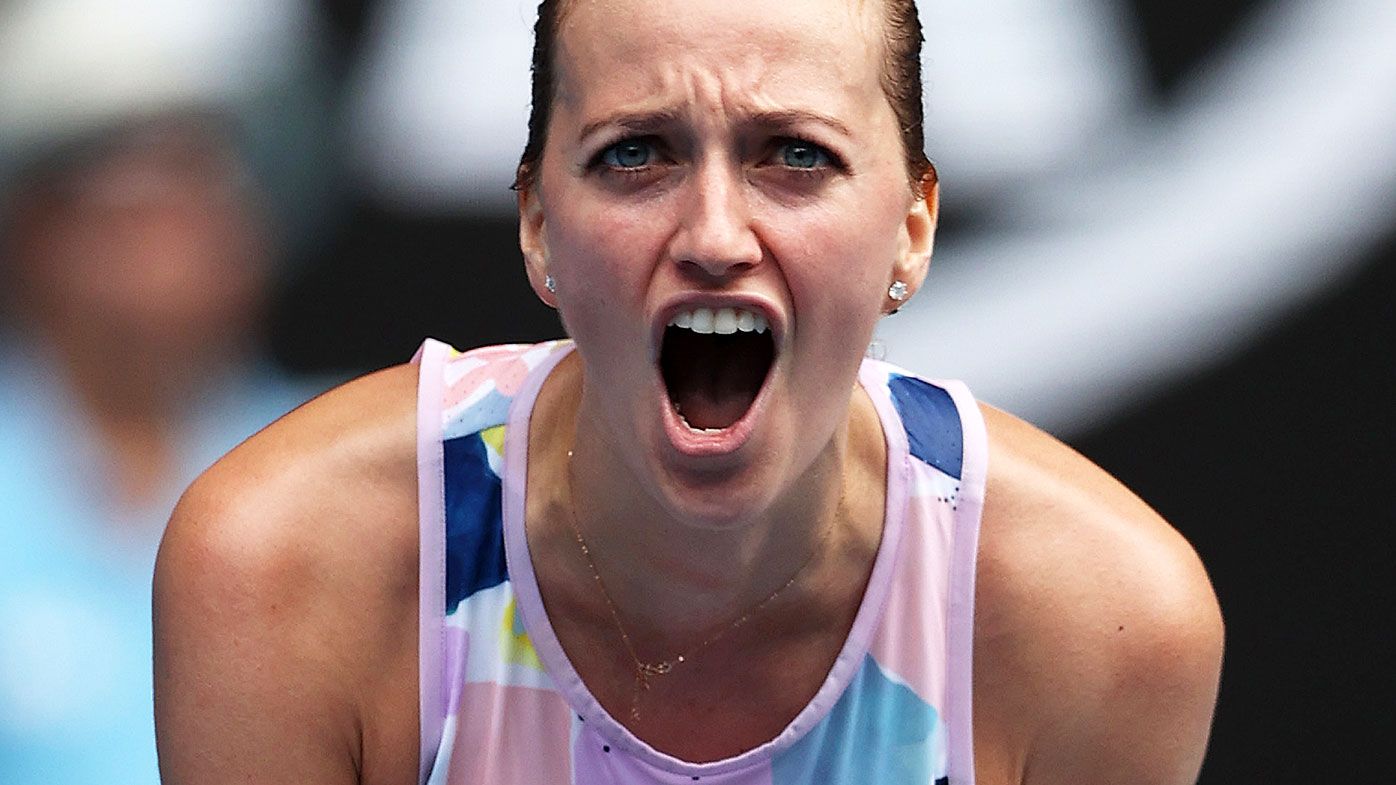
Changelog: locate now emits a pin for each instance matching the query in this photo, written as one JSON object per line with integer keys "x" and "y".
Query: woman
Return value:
{"x": 710, "y": 543}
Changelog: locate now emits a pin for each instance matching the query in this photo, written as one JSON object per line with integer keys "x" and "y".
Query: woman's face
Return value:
{"x": 723, "y": 165}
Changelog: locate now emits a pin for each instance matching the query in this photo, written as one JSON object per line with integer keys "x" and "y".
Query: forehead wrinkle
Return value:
{"x": 748, "y": 90}
{"x": 712, "y": 105}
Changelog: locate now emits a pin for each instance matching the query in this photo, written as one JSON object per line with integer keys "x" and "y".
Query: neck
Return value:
{"x": 676, "y": 580}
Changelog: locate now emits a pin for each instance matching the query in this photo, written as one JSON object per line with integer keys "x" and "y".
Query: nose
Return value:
{"x": 715, "y": 237}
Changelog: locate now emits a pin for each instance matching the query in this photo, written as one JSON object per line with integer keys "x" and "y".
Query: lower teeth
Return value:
{"x": 689, "y": 425}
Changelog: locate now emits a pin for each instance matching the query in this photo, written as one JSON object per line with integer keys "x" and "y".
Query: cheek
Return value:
{"x": 610, "y": 244}
{"x": 837, "y": 261}
{"x": 603, "y": 262}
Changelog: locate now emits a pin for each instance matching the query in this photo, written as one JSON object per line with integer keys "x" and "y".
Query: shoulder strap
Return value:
{"x": 431, "y": 501}
{"x": 945, "y": 430}
{"x": 963, "y": 559}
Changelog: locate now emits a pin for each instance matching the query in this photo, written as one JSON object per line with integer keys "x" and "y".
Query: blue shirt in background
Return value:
{"x": 75, "y": 574}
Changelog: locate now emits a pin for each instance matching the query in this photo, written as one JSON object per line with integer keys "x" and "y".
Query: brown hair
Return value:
{"x": 901, "y": 83}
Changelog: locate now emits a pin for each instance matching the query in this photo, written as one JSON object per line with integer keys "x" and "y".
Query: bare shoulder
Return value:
{"x": 341, "y": 459}
{"x": 285, "y": 597}
{"x": 1098, "y": 637}
{"x": 304, "y": 499}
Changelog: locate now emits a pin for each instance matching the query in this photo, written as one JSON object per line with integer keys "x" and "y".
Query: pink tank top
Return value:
{"x": 501, "y": 704}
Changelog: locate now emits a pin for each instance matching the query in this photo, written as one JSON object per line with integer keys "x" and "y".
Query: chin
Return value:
{"x": 705, "y": 486}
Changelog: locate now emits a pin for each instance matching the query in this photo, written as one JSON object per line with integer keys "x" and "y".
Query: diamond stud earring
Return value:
{"x": 550, "y": 283}
{"x": 897, "y": 291}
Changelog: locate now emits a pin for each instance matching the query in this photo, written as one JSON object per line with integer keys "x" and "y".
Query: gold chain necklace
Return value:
{"x": 645, "y": 671}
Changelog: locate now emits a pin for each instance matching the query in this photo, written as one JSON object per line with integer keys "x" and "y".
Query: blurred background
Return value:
{"x": 1168, "y": 237}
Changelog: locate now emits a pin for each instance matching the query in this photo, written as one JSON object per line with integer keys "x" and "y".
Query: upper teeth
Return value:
{"x": 723, "y": 321}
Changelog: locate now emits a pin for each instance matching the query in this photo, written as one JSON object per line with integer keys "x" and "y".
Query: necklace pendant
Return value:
{"x": 656, "y": 668}
{"x": 641, "y": 686}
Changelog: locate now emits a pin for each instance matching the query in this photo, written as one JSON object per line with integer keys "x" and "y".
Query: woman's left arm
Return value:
{"x": 1098, "y": 637}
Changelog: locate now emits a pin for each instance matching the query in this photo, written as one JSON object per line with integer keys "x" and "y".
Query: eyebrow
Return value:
{"x": 660, "y": 118}
{"x": 636, "y": 121}
{"x": 785, "y": 118}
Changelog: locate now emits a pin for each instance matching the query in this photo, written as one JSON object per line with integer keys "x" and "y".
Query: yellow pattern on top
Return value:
{"x": 514, "y": 640}
{"x": 494, "y": 437}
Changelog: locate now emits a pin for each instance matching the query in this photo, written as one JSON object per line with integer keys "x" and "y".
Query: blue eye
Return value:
{"x": 628, "y": 154}
{"x": 803, "y": 155}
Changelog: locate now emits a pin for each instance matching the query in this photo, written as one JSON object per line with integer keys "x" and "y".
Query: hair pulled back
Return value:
{"x": 901, "y": 83}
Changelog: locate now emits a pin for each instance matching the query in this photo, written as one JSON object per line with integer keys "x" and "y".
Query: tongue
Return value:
{"x": 712, "y": 408}
{"x": 713, "y": 379}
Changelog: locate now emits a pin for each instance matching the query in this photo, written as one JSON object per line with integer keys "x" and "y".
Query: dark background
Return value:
{"x": 1277, "y": 465}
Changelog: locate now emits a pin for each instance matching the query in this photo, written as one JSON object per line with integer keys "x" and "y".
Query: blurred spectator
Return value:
{"x": 135, "y": 257}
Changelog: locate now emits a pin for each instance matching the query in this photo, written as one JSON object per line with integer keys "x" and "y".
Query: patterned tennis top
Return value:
{"x": 501, "y": 703}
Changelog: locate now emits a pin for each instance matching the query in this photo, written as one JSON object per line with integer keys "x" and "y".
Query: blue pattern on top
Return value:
{"x": 474, "y": 521}
{"x": 932, "y": 423}
{"x": 879, "y": 733}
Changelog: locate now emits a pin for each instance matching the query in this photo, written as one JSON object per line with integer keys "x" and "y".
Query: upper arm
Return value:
{"x": 1098, "y": 636}
{"x": 278, "y": 634}
{"x": 1140, "y": 705}
{"x": 242, "y": 692}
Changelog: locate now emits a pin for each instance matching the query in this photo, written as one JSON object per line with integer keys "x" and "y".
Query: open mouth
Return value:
{"x": 714, "y": 362}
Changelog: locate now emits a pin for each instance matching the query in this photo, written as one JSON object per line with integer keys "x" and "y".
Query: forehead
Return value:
{"x": 759, "y": 52}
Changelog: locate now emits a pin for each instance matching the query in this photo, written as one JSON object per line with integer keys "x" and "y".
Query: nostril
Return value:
{"x": 710, "y": 269}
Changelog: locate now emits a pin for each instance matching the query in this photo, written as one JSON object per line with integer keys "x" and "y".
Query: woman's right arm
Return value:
{"x": 285, "y": 601}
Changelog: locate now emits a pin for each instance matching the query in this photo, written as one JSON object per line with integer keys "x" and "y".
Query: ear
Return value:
{"x": 533, "y": 242}
{"x": 917, "y": 239}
